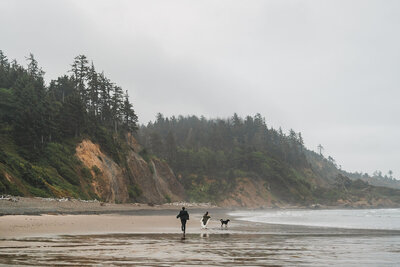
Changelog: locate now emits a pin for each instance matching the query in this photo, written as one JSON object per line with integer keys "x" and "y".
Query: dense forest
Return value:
{"x": 233, "y": 143}
{"x": 211, "y": 156}
{"x": 39, "y": 124}
{"x": 85, "y": 102}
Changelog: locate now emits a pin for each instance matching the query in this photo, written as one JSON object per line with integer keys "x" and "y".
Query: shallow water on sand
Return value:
{"x": 259, "y": 245}
{"x": 383, "y": 219}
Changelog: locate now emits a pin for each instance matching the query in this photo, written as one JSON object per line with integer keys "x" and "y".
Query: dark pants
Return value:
{"x": 183, "y": 222}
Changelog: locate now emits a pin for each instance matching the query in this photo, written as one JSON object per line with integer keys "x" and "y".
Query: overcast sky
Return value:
{"x": 327, "y": 69}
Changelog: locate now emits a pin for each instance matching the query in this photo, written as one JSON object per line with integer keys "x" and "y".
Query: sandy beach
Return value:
{"x": 30, "y": 217}
{"x": 37, "y": 217}
{"x": 140, "y": 235}
{"x": 18, "y": 226}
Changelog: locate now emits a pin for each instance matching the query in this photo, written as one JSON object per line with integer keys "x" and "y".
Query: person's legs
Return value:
{"x": 183, "y": 225}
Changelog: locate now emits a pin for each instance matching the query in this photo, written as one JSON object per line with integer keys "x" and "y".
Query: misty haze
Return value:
{"x": 217, "y": 133}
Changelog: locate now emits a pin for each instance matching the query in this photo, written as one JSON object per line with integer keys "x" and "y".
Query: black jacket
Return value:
{"x": 183, "y": 214}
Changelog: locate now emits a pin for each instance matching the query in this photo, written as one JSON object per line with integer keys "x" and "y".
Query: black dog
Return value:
{"x": 224, "y": 222}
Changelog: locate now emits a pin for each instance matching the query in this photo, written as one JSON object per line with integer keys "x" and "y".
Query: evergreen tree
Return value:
{"x": 61, "y": 88}
{"x": 33, "y": 68}
{"x": 116, "y": 107}
{"x": 3, "y": 60}
{"x": 129, "y": 116}
{"x": 93, "y": 90}
{"x": 106, "y": 89}
{"x": 73, "y": 116}
{"x": 27, "y": 125}
{"x": 320, "y": 148}
{"x": 4, "y": 70}
{"x": 156, "y": 144}
{"x": 79, "y": 69}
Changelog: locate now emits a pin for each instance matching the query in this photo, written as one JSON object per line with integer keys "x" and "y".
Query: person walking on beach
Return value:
{"x": 204, "y": 221}
{"x": 184, "y": 216}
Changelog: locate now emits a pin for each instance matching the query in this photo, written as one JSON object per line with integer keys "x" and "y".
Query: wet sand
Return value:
{"x": 18, "y": 226}
{"x": 153, "y": 238}
{"x": 150, "y": 236}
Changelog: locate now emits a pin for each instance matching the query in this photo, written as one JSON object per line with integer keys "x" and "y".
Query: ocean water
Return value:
{"x": 374, "y": 219}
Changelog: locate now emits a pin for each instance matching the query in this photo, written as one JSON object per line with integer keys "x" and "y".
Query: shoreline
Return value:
{"x": 19, "y": 227}
{"x": 152, "y": 237}
{"x": 33, "y": 217}
{"x": 139, "y": 221}
{"x": 39, "y": 206}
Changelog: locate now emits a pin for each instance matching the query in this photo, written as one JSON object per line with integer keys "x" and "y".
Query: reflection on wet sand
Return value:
{"x": 204, "y": 235}
{"x": 211, "y": 248}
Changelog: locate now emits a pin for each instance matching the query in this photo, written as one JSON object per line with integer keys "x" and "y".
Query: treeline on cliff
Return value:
{"x": 211, "y": 155}
{"x": 40, "y": 124}
{"x": 328, "y": 168}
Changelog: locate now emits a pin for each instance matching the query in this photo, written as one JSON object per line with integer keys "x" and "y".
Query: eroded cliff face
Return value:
{"x": 250, "y": 194}
{"x": 157, "y": 181}
{"x": 141, "y": 181}
{"x": 109, "y": 182}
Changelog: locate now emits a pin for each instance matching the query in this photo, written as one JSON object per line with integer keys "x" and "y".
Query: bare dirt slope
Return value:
{"x": 153, "y": 181}
{"x": 250, "y": 194}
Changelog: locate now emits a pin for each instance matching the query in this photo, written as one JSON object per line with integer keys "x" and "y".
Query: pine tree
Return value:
{"x": 4, "y": 70}
{"x": 156, "y": 144}
{"x": 116, "y": 107}
{"x": 129, "y": 116}
{"x": 106, "y": 89}
{"x": 3, "y": 60}
{"x": 79, "y": 69}
{"x": 33, "y": 68}
{"x": 27, "y": 125}
{"x": 73, "y": 116}
{"x": 320, "y": 148}
{"x": 62, "y": 88}
{"x": 93, "y": 90}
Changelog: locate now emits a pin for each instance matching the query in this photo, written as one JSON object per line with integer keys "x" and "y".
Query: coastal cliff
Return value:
{"x": 85, "y": 170}
{"x": 136, "y": 180}
{"x": 74, "y": 138}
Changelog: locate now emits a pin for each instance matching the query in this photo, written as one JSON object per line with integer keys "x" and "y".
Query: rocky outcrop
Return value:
{"x": 138, "y": 180}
